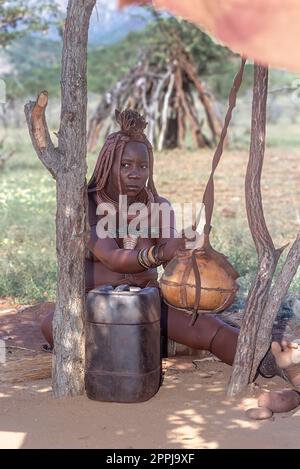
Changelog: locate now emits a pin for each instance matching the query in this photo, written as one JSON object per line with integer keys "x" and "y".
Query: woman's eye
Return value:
{"x": 144, "y": 166}
{"x": 125, "y": 165}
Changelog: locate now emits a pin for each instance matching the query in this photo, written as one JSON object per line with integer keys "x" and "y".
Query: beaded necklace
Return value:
{"x": 144, "y": 197}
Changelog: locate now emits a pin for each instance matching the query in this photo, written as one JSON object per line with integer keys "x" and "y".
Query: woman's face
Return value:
{"x": 134, "y": 170}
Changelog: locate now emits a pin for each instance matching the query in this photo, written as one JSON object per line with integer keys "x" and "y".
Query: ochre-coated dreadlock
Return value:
{"x": 132, "y": 130}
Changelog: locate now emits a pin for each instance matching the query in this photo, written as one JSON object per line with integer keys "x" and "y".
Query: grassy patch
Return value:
{"x": 27, "y": 225}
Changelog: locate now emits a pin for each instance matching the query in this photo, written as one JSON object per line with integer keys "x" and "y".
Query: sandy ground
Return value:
{"x": 189, "y": 411}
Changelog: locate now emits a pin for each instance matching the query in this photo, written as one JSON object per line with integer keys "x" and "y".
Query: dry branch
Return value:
{"x": 40, "y": 137}
{"x": 214, "y": 122}
{"x": 26, "y": 368}
{"x": 164, "y": 114}
{"x": 195, "y": 126}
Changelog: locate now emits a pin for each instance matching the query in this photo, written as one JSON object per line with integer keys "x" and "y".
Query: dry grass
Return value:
{"x": 181, "y": 177}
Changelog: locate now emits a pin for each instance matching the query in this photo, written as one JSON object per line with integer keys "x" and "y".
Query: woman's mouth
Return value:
{"x": 130, "y": 187}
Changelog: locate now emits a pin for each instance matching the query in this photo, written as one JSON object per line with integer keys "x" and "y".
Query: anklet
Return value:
{"x": 214, "y": 336}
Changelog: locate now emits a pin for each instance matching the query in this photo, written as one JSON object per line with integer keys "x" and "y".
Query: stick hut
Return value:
{"x": 172, "y": 98}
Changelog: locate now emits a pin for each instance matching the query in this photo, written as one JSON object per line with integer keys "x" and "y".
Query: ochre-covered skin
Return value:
{"x": 279, "y": 401}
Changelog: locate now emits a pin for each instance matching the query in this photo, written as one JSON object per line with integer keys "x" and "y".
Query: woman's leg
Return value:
{"x": 46, "y": 328}
{"x": 207, "y": 333}
{"x": 210, "y": 333}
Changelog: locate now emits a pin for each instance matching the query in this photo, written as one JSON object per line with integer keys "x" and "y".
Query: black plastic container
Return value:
{"x": 123, "y": 355}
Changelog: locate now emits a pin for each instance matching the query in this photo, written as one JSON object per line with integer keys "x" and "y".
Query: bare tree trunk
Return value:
{"x": 267, "y": 254}
{"x": 67, "y": 164}
{"x": 275, "y": 299}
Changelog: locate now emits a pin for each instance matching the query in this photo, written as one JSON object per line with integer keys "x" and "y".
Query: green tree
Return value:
{"x": 18, "y": 17}
{"x": 170, "y": 34}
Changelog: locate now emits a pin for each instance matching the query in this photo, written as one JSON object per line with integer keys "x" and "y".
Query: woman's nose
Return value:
{"x": 134, "y": 174}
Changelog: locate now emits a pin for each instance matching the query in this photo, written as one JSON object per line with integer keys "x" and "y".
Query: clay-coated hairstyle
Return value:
{"x": 132, "y": 130}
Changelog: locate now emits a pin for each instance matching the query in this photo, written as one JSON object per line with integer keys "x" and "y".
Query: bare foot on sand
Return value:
{"x": 287, "y": 357}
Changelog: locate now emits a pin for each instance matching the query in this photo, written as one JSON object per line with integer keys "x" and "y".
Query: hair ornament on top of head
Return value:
{"x": 131, "y": 122}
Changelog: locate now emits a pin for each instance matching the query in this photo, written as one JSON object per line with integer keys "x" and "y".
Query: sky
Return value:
{"x": 107, "y": 21}
{"x": 103, "y": 10}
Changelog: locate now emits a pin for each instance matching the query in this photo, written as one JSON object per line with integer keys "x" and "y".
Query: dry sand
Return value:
{"x": 189, "y": 411}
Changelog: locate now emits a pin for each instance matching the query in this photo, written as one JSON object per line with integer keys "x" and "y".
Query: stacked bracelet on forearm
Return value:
{"x": 148, "y": 257}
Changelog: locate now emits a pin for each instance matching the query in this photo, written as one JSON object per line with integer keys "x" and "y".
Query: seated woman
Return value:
{"x": 125, "y": 167}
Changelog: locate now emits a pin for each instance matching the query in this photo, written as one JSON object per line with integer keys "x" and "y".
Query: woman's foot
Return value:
{"x": 47, "y": 348}
{"x": 287, "y": 357}
{"x": 46, "y": 328}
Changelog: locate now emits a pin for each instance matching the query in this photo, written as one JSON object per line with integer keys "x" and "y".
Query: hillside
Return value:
{"x": 32, "y": 63}
{"x": 35, "y": 65}
{"x": 35, "y": 60}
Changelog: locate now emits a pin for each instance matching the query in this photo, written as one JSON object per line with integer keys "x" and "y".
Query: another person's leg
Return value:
{"x": 287, "y": 357}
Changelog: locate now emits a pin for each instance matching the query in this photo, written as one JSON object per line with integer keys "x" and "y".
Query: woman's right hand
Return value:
{"x": 167, "y": 249}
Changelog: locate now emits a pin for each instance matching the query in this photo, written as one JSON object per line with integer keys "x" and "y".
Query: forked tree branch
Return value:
{"x": 39, "y": 133}
{"x": 267, "y": 254}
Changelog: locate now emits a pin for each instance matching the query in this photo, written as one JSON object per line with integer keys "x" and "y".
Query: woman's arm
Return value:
{"x": 107, "y": 249}
{"x": 169, "y": 240}
{"x": 113, "y": 257}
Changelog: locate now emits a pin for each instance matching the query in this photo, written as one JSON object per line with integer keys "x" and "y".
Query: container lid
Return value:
{"x": 123, "y": 307}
